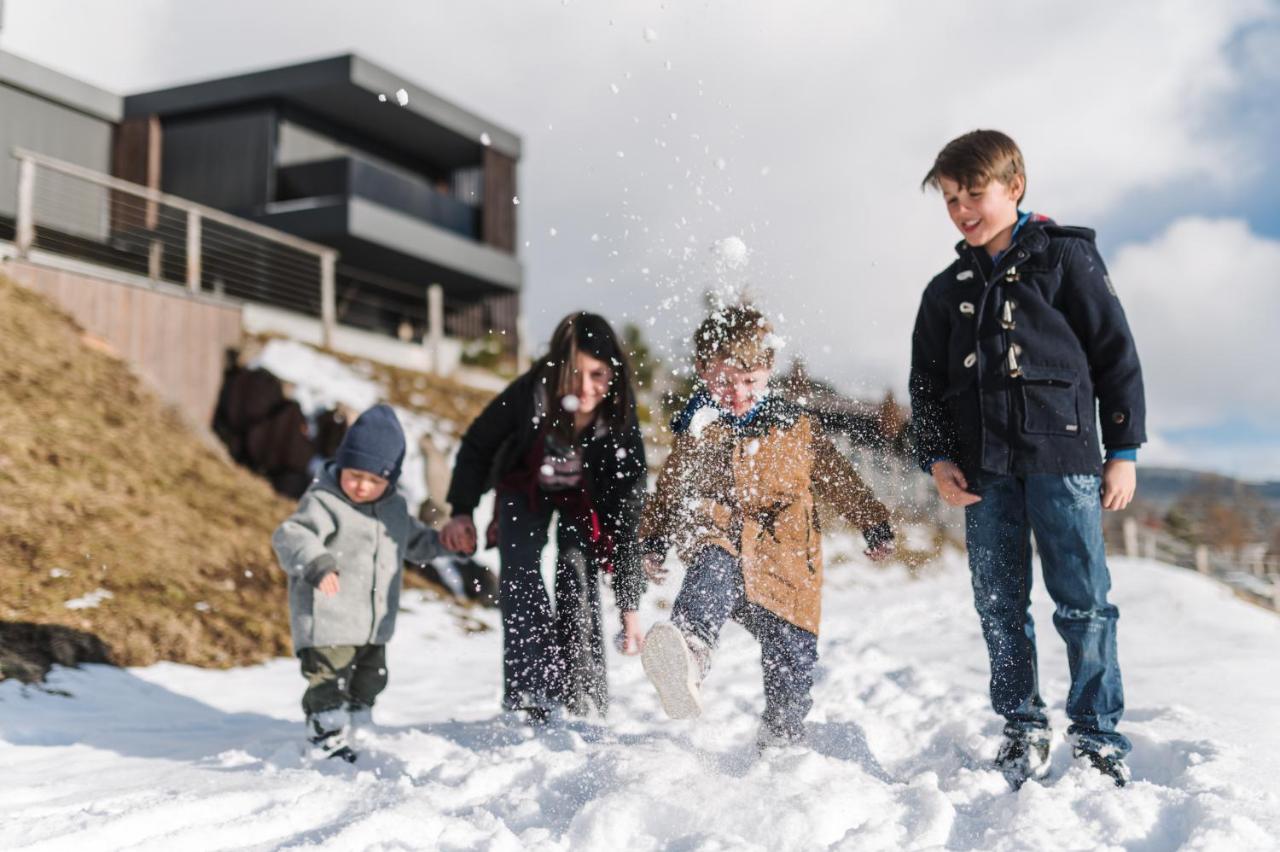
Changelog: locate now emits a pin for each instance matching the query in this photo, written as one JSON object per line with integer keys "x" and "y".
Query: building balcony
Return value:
{"x": 342, "y": 178}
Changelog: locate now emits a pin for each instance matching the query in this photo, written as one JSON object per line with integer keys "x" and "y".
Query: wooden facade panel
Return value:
{"x": 174, "y": 343}
{"x": 137, "y": 159}
{"x": 498, "y": 213}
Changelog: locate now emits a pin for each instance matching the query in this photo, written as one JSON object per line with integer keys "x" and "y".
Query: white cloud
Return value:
{"x": 1203, "y": 298}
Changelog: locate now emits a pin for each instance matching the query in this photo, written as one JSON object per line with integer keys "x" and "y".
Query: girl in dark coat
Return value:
{"x": 562, "y": 439}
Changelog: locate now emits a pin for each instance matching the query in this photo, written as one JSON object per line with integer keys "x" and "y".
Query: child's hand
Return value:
{"x": 952, "y": 485}
{"x": 654, "y": 569}
{"x": 1119, "y": 482}
{"x": 329, "y": 584}
{"x": 459, "y": 535}
{"x": 630, "y": 639}
{"x": 883, "y": 550}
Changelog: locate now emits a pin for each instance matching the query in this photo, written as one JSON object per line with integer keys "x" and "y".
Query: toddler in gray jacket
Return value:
{"x": 344, "y": 551}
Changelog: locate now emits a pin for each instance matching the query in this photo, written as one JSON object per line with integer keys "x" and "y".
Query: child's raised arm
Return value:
{"x": 299, "y": 542}
{"x": 837, "y": 483}
{"x": 658, "y": 517}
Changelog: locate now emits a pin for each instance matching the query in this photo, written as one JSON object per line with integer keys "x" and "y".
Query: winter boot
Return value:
{"x": 673, "y": 670}
{"x": 1105, "y": 761}
{"x": 327, "y": 734}
{"x": 770, "y": 739}
{"x": 1024, "y": 755}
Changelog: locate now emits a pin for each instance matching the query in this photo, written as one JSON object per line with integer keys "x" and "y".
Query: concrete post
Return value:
{"x": 194, "y": 249}
{"x": 26, "y": 212}
{"x": 328, "y": 297}
{"x": 435, "y": 327}
{"x": 1202, "y": 558}
{"x": 1130, "y": 538}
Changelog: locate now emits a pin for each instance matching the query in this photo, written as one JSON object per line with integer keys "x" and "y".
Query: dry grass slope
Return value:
{"x": 104, "y": 487}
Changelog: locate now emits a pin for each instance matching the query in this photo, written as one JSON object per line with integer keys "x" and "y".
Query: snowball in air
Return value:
{"x": 570, "y": 403}
{"x": 402, "y": 97}
{"x": 732, "y": 252}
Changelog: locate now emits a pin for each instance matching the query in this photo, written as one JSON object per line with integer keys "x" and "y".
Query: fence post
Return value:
{"x": 328, "y": 298}
{"x": 1202, "y": 558}
{"x": 435, "y": 326}
{"x": 25, "y": 236}
{"x": 1130, "y": 538}
{"x": 193, "y": 250}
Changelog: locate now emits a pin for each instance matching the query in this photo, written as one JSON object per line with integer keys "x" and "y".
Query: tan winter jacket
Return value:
{"x": 750, "y": 490}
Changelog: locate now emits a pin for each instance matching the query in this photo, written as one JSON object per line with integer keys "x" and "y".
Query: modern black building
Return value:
{"x": 411, "y": 189}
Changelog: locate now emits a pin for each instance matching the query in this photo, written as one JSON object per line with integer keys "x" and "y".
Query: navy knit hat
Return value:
{"x": 374, "y": 444}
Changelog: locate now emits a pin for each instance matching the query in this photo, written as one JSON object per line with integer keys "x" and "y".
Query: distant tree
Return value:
{"x": 644, "y": 363}
{"x": 1220, "y": 512}
{"x": 1179, "y": 524}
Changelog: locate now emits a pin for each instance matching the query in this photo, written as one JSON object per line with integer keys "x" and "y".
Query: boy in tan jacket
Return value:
{"x": 736, "y": 499}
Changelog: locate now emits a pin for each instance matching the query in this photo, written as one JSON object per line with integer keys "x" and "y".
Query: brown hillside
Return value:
{"x": 102, "y": 487}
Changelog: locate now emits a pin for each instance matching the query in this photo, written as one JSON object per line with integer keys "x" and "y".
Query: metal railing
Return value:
{"x": 72, "y": 211}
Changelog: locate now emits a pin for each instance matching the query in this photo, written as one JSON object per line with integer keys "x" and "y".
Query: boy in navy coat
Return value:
{"x": 1018, "y": 346}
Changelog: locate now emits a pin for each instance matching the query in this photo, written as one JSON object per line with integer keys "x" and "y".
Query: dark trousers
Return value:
{"x": 1065, "y": 513}
{"x": 552, "y": 655}
{"x": 342, "y": 676}
{"x": 712, "y": 593}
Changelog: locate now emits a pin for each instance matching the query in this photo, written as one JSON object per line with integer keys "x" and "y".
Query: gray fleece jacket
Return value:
{"x": 366, "y": 544}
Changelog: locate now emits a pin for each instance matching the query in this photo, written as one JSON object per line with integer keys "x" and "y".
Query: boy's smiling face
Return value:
{"x": 733, "y": 388}
{"x": 360, "y": 486}
{"x": 984, "y": 215}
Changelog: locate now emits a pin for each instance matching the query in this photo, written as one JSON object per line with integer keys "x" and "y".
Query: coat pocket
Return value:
{"x": 1050, "y": 401}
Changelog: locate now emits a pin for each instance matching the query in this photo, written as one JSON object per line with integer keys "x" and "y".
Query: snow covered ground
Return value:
{"x": 170, "y": 757}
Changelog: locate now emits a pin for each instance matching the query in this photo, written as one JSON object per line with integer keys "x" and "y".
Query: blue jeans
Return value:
{"x": 712, "y": 593}
{"x": 1065, "y": 513}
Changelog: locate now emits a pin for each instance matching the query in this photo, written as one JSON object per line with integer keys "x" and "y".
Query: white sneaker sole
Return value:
{"x": 672, "y": 671}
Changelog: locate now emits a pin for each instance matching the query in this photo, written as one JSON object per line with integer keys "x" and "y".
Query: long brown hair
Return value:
{"x": 591, "y": 335}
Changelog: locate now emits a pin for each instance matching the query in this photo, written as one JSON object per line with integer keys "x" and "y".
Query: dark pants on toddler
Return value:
{"x": 712, "y": 593}
{"x": 1065, "y": 512}
{"x": 339, "y": 676}
{"x": 551, "y": 655}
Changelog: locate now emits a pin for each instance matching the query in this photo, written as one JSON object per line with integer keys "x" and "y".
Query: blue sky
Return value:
{"x": 655, "y": 128}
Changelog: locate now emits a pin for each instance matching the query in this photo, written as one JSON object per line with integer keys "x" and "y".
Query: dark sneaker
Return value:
{"x": 1108, "y": 763}
{"x": 328, "y": 737}
{"x": 537, "y": 716}
{"x": 1023, "y": 756}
